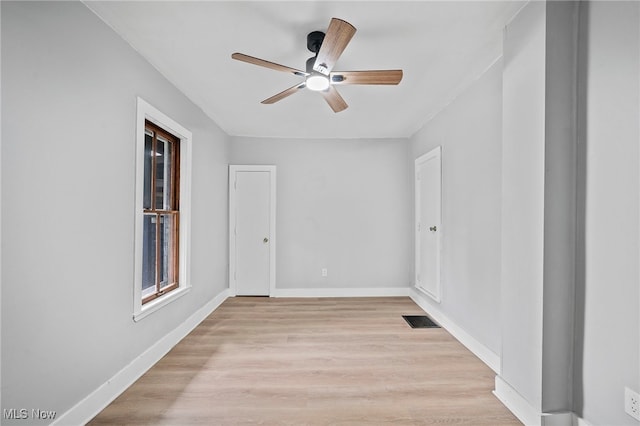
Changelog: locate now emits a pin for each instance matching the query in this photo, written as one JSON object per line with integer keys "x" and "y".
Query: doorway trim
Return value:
{"x": 436, "y": 154}
{"x": 233, "y": 169}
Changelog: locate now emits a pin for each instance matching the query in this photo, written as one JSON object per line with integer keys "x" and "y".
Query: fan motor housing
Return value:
{"x": 314, "y": 41}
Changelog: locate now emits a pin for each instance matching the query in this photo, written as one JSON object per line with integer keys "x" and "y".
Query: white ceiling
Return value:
{"x": 441, "y": 46}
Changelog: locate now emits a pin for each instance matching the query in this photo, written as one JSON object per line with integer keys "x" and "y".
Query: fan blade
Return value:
{"x": 334, "y": 99}
{"x": 290, "y": 91}
{"x": 262, "y": 63}
{"x": 366, "y": 77}
{"x": 335, "y": 40}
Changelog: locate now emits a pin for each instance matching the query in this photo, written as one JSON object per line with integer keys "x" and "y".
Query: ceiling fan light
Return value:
{"x": 317, "y": 82}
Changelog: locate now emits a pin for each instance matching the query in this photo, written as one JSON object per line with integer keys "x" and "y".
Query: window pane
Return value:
{"x": 148, "y": 156}
{"x": 167, "y": 250}
{"x": 161, "y": 174}
{"x": 149, "y": 255}
{"x": 168, "y": 163}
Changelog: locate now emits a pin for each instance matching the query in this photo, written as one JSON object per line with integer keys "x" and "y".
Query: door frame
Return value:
{"x": 436, "y": 154}
{"x": 233, "y": 169}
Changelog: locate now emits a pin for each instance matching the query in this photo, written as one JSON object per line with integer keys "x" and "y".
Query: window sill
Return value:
{"x": 158, "y": 303}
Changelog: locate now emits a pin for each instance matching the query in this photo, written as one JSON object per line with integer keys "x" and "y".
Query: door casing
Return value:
{"x": 233, "y": 170}
{"x": 433, "y": 158}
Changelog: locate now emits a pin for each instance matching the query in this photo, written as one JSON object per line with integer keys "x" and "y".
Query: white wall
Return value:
{"x": 68, "y": 113}
{"x": 608, "y": 322}
{"x": 343, "y": 205}
{"x": 469, "y": 131}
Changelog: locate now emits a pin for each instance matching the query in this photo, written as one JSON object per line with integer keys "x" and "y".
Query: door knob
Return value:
{"x": 265, "y": 240}
{"x": 433, "y": 228}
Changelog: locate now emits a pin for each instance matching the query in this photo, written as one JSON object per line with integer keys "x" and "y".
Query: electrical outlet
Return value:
{"x": 632, "y": 403}
{"x": 324, "y": 272}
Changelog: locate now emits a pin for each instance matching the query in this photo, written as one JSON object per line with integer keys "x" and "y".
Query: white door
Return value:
{"x": 428, "y": 199}
{"x": 252, "y": 230}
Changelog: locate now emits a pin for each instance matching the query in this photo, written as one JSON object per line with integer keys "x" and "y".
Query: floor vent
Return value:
{"x": 420, "y": 321}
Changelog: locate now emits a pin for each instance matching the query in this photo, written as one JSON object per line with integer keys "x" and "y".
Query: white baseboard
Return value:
{"x": 481, "y": 351}
{"x": 95, "y": 402}
{"x": 342, "y": 292}
{"x": 564, "y": 418}
{"x": 519, "y": 406}
{"x": 529, "y": 415}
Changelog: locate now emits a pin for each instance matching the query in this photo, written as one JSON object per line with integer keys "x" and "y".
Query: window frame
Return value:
{"x": 170, "y": 208}
{"x": 146, "y": 112}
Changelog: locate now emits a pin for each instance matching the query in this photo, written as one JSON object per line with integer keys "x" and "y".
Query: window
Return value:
{"x": 161, "y": 239}
{"x": 163, "y": 149}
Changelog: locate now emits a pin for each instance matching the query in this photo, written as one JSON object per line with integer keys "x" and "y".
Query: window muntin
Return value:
{"x": 161, "y": 213}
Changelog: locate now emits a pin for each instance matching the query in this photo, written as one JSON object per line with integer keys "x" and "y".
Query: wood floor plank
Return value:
{"x": 326, "y": 361}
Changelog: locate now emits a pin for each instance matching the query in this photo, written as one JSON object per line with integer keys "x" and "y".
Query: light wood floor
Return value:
{"x": 313, "y": 361}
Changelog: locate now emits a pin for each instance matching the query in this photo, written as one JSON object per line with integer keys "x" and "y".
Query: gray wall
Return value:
{"x": 539, "y": 209}
{"x": 607, "y": 332}
{"x": 469, "y": 131}
{"x": 344, "y": 205}
{"x": 68, "y": 113}
{"x": 523, "y": 202}
{"x": 560, "y": 183}
{"x": 538, "y": 359}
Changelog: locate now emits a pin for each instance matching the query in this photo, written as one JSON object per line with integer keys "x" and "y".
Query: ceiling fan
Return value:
{"x": 318, "y": 73}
